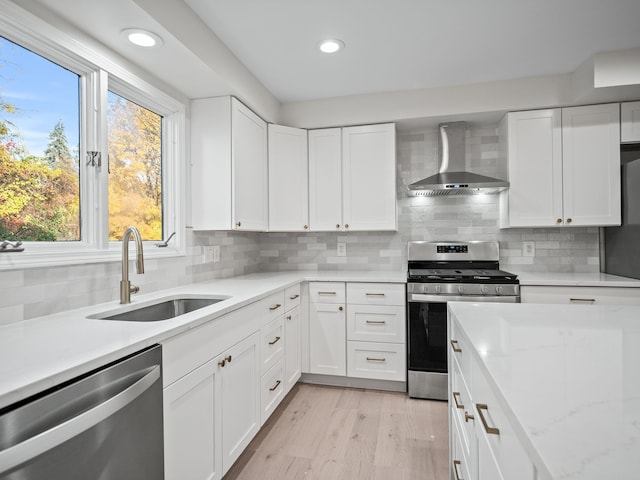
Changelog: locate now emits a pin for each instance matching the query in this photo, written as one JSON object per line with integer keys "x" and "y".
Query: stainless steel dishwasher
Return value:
{"x": 106, "y": 425}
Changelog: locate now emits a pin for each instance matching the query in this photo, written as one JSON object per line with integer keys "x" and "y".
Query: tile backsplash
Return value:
{"x": 35, "y": 292}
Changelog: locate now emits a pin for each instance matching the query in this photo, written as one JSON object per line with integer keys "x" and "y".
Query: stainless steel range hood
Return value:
{"x": 452, "y": 178}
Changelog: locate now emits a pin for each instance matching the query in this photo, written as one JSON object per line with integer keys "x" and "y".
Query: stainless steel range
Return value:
{"x": 441, "y": 272}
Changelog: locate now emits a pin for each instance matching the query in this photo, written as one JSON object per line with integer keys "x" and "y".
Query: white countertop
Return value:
{"x": 576, "y": 280}
{"x": 569, "y": 376}
{"x": 42, "y": 352}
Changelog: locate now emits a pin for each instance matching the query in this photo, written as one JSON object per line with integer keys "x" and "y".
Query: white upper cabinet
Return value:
{"x": 325, "y": 179}
{"x": 564, "y": 167}
{"x": 288, "y": 185}
{"x": 630, "y": 126}
{"x": 369, "y": 177}
{"x": 229, "y": 166}
{"x": 352, "y": 178}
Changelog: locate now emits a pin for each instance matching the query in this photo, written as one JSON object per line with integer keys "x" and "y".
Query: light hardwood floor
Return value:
{"x": 333, "y": 433}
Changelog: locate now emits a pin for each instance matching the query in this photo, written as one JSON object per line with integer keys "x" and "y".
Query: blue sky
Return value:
{"x": 43, "y": 94}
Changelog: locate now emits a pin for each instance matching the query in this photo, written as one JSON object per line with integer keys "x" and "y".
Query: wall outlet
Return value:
{"x": 216, "y": 253}
{"x": 207, "y": 253}
{"x": 528, "y": 249}
{"x": 342, "y": 249}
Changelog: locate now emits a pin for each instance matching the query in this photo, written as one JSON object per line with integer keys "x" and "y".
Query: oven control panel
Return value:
{"x": 452, "y": 248}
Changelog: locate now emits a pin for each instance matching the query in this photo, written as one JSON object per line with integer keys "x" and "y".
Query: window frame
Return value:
{"x": 98, "y": 74}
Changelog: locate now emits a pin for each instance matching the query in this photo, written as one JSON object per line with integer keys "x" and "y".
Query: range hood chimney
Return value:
{"x": 452, "y": 179}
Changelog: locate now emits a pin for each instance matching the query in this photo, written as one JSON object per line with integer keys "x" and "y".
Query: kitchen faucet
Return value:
{"x": 126, "y": 289}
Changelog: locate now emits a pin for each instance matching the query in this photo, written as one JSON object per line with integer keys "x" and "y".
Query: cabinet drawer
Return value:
{"x": 271, "y": 307}
{"x": 376, "y": 323}
{"x": 272, "y": 388}
{"x": 461, "y": 408}
{"x": 291, "y": 297}
{"x": 494, "y": 429}
{"x": 272, "y": 345}
{"x": 382, "y": 361}
{"x": 327, "y": 292}
{"x": 376, "y": 293}
{"x": 460, "y": 352}
{"x": 460, "y": 461}
{"x": 580, "y": 295}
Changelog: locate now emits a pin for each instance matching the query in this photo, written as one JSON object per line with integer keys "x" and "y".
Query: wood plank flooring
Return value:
{"x": 334, "y": 433}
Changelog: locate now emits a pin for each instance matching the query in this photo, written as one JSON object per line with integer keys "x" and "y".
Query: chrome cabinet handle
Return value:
{"x": 275, "y": 341}
{"x": 275, "y": 307}
{"x": 454, "y": 344}
{"x": 455, "y": 396}
{"x": 374, "y": 359}
{"x": 455, "y": 469}
{"x": 377, "y": 322}
{"x": 275, "y": 386}
{"x": 45, "y": 441}
{"x": 487, "y": 428}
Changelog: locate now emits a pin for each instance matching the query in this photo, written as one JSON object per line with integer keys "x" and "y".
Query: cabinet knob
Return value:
{"x": 228, "y": 358}
{"x": 306, "y": 227}
{"x": 559, "y": 220}
{"x": 568, "y": 220}
{"x": 222, "y": 363}
{"x": 346, "y": 225}
{"x": 337, "y": 225}
{"x": 238, "y": 224}
{"x": 340, "y": 308}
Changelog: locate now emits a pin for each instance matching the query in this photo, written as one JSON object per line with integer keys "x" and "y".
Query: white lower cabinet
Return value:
{"x": 327, "y": 333}
{"x": 293, "y": 354}
{"x": 192, "y": 441}
{"x": 483, "y": 444}
{"x": 240, "y": 379}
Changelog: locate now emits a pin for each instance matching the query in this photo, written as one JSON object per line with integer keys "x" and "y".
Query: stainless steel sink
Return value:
{"x": 163, "y": 309}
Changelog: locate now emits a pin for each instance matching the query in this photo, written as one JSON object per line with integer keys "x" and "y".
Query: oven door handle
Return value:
{"x": 422, "y": 298}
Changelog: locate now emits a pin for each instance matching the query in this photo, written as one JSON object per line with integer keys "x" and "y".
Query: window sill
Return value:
{"x": 79, "y": 256}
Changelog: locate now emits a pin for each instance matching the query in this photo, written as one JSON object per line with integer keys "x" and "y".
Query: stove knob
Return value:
{"x": 499, "y": 290}
{"x": 437, "y": 288}
{"x": 425, "y": 288}
{"x": 484, "y": 289}
{"x": 460, "y": 289}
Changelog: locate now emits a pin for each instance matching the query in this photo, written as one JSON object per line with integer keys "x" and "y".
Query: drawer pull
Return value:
{"x": 275, "y": 386}
{"x": 275, "y": 307}
{"x": 288, "y": 317}
{"x": 377, "y": 322}
{"x": 590, "y": 300}
{"x": 222, "y": 363}
{"x": 468, "y": 417}
{"x": 455, "y": 400}
{"x": 326, "y": 293}
{"x": 487, "y": 428}
{"x": 228, "y": 358}
{"x": 374, "y": 359}
{"x": 455, "y": 469}
{"x": 454, "y": 345}
{"x": 293, "y": 297}
{"x": 275, "y": 341}
{"x": 374, "y": 294}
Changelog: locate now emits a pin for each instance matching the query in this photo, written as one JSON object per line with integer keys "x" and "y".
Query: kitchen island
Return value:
{"x": 544, "y": 391}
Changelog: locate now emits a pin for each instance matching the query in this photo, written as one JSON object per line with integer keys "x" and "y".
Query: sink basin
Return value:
{"x": 163, "y": 309}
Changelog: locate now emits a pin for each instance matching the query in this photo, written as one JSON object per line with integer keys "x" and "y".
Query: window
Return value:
{"x": 86, "y": 149}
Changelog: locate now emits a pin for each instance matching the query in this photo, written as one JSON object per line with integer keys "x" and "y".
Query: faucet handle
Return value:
{"x": 134, "y": 288}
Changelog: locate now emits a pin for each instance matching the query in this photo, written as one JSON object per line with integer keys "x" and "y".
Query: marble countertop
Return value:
{"x": 576, "y": 280}
{"x": 42, "y": 352}
{"x": 568, "y": 378}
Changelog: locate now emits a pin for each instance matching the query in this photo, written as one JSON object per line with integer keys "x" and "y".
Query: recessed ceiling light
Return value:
{"x": 332, "y": 45}
{"x": 142, "y": 38}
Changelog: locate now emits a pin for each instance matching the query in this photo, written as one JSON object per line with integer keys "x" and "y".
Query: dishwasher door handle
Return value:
{"x": 42, "y": 442}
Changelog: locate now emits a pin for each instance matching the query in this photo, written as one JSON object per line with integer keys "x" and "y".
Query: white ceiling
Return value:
{"x": 391, "y": 45}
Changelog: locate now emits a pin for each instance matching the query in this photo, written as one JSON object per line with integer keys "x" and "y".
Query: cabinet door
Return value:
{"x": 630, "y": 126}
{"x": 288, "y": 179}
{"x": 327, "y": 339}
{"x": 192, "y": 420}
{"x": 249, "y": 164}
{"x": 535, "y": 168}
{"x": 325, "y": 184}
{"x": 591, "y": 164}
{"x": 369, "y": 177}
{"x": 240, "y": 391}
{"x": 292, "y": 347}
